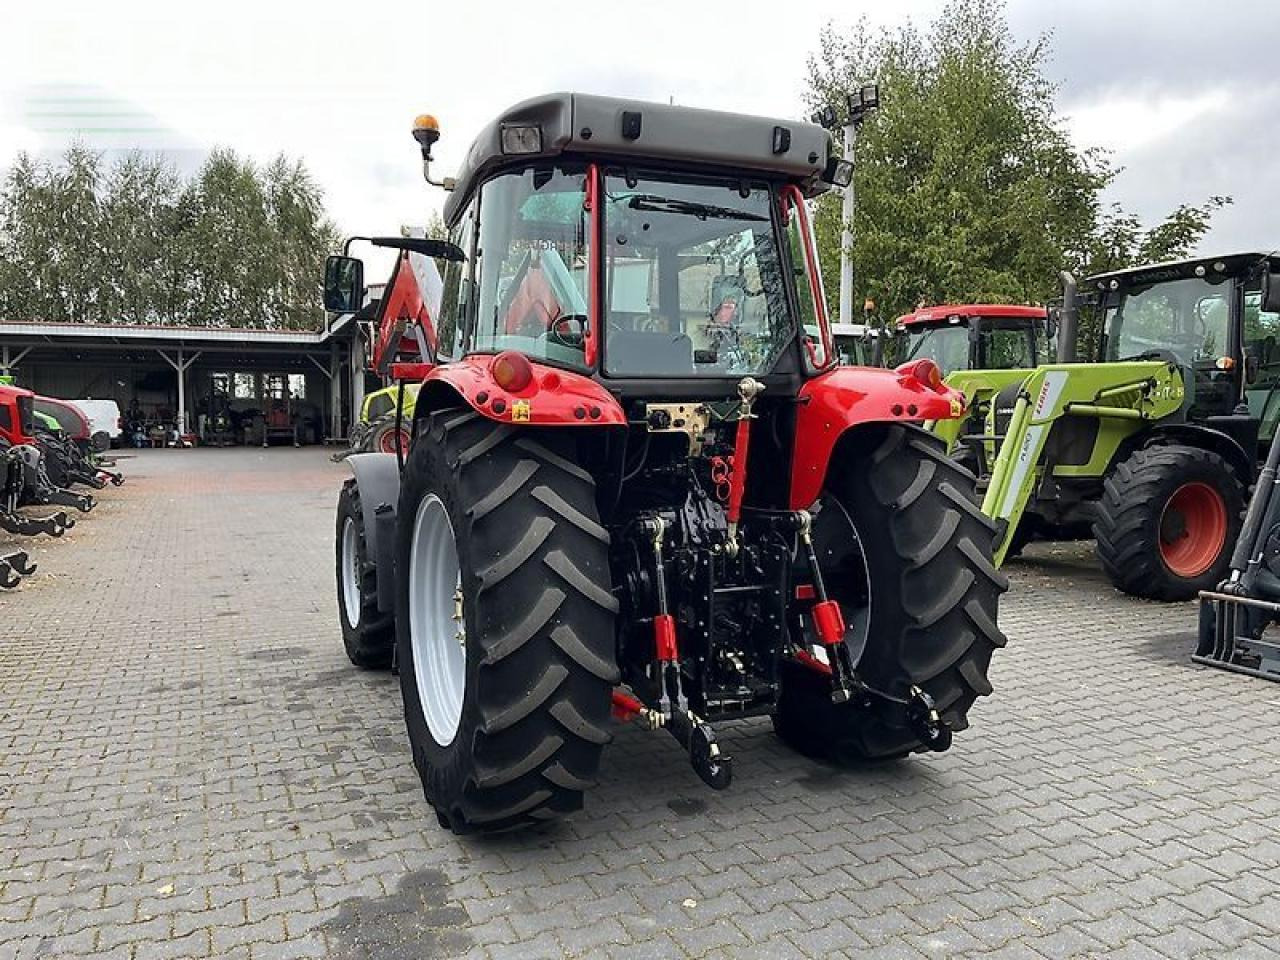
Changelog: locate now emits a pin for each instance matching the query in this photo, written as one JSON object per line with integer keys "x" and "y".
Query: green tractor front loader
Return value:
{"x": 1148, "y": 448}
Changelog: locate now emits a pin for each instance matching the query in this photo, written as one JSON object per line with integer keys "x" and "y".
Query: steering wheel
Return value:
{"x": 568, "y": 330}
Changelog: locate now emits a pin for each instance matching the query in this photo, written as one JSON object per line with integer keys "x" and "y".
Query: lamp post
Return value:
{"x": 859, "y": 104}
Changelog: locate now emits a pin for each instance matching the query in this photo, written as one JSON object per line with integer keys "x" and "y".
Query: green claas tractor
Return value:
{"x": 1150, "y": 448}
{"x": 637, "y": 480}
{"x": 378, "y": 426}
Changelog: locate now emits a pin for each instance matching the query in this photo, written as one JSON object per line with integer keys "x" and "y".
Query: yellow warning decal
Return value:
{"x": 520, "y": 411}
{"x": 957, "y": 406}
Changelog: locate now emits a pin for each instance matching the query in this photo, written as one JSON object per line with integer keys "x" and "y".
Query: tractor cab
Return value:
{"x": 624, "y": 245}
{"x": 1206, "y": 316}
{"x": 976, "y": 336}
{"x": 857, "y": 344}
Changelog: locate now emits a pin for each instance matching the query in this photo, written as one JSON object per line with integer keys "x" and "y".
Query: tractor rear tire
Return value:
{"x": 368, "y": 634}
{"x": 921, "y": 550}
{"x": 1168, "y": 520}
{"x": 508, "y": 730}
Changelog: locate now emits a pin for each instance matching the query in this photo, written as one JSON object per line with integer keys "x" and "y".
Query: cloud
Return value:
{"x": 1175, "y": 91}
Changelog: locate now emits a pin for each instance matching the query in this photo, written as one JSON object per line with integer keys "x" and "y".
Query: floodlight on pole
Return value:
{"x": 858, "y": 105}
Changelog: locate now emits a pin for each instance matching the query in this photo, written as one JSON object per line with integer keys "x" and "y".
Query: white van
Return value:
{"x": 104, "y": 418}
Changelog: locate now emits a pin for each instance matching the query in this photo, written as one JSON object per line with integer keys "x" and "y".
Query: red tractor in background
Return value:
{"x": 635, "y": 483}
{"x": 24, "y": 481}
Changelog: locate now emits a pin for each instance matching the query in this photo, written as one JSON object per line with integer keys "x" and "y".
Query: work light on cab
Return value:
{"x": 521, "y": 138}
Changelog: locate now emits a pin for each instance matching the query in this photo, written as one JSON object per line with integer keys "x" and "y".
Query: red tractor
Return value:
{"x": 23, "y": 481}
{"x": 634, "y": 483}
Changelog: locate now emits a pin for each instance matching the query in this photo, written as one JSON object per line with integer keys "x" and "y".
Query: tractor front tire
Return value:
{"x": 1168, "y": 520}
{"x": 907, "y": 553}
{"x": 504, "y": 620}
{"x": 368, "y": 634}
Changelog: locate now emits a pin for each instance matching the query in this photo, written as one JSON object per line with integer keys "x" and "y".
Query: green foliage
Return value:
{"x": 968, "y": 188}
{"x": 235, "y": 245}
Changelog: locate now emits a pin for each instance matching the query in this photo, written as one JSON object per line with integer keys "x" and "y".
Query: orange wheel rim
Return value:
{"x": 1193, "y": 529}
{"x": 387, "y": 442}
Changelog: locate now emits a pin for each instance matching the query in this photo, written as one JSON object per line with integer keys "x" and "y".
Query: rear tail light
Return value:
{"x": 512, "y": 371}
{"x": 924, "y": 371}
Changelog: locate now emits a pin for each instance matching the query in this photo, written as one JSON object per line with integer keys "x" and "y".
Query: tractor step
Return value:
{"x": 1231, "y": 635}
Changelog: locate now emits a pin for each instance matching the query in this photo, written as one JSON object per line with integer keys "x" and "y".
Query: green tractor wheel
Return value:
{"x": 1167, "y": 521}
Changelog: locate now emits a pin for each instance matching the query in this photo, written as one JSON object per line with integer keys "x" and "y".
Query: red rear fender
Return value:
{"x": 552, "y": 398}
{"x": 848, "y": 396}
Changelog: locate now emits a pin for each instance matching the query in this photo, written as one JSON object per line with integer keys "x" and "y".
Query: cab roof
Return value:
{"x": 1233, "y": 264}
{"x": 610, "y": 128}
{"x": 926, "y": 315}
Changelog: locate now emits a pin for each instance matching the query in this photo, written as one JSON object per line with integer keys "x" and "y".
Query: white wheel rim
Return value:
{"x": 437, "y": 631}
{"x": 351, "y": 572}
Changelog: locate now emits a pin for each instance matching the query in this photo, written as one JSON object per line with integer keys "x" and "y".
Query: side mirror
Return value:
{"x": 343, "y": 284}
{"x": 1270, "y": 292}
{"x": 1251, "y": 366}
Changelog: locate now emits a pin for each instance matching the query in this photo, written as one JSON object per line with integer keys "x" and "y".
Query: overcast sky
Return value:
{"x": 1179, "y": 92}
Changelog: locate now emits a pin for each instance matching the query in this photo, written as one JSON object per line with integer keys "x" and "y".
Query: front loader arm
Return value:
{"x": 1125, "y": 391}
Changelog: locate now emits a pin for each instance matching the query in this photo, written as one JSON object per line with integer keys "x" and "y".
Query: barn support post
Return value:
{"x": 333, "y": 373}
{"x": 180, "y": 366}
{"x": 9, "y": 360}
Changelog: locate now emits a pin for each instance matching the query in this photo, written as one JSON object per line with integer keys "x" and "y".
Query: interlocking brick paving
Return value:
{"x": 189, "y": 767}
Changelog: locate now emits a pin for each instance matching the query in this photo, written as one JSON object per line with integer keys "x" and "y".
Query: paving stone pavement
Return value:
{"x": 189, "y": 767}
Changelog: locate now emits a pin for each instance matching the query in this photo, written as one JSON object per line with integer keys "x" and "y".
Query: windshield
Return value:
{"x": 1188, "y": 318}
{"x": 946, "y": 346}
{"x": 693, "y": 279}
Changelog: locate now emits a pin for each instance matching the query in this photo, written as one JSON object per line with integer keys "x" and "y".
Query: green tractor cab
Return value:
{"x": 1150, "y": 446}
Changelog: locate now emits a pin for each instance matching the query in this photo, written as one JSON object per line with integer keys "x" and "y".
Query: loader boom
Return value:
{"x": 1122, "y": 395}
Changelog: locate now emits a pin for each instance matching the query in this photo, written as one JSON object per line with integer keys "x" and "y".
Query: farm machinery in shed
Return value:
{"x": 636, "y": 481}
{"x": 23, "y": 481}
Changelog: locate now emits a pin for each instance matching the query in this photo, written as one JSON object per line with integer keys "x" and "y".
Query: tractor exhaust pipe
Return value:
{"x": 1068, "y": 319}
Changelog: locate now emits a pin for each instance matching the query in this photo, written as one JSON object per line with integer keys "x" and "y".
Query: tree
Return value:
{"x": 968, "y": 187}
{"x": 235, "y": 245}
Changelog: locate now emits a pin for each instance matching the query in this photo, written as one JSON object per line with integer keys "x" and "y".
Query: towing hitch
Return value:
{"x": 54, "y": 525}
{"x": 924, "y": 720}
{"x": 695, "y": 735}
{"x": 65, "y": 498}
{"x": 13, "y": 567}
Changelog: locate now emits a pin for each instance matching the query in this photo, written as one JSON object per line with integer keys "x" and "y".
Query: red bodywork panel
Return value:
{"x": 553, "y": 398}
{"x": 927, "y": 315}
{"x": 14, "y": 432}
{"x": 401, "y": 304}
{"x": 833, "y": 402}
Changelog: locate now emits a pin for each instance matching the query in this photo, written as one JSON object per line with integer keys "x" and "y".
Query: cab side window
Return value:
{"x": 455, "y": 298}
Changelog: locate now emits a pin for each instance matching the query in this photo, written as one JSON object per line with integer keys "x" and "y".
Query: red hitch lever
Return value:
{"x": 748, "y": 389}
{"x": 828, "y": 621}
{"x": 665, "y": 646}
